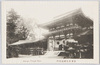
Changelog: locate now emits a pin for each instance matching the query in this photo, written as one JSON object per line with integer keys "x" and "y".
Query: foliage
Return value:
{"x": 15, "y": 31}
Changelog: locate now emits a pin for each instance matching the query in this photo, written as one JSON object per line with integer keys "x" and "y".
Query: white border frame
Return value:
{"x": 96, "y": 44}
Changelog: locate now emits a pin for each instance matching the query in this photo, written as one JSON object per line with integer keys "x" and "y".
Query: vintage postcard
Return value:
{"x": 50, "y": 32}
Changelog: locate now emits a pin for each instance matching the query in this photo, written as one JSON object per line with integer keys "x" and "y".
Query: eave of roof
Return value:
{"x": 65, "y": 18}
{"x": 23, "y": 42}
{"x": 61, "y": 17}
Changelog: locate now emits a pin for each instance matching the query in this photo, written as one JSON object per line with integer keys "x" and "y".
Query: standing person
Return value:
{"x": 60, "y": 47}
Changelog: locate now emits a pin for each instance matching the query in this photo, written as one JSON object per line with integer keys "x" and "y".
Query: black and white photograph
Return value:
{"x": 50, "y": 32}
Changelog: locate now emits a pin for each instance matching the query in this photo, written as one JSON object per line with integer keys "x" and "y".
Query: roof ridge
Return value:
{"x": 59, "y": 18}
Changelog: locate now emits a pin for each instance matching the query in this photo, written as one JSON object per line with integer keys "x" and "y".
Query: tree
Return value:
{"x": 15, "y": 31}
{"x": 21, "y": 30}
{"x": 31, "y": 27}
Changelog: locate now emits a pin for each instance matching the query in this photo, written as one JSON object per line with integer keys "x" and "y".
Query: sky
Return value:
{"x": 45, "y": 11}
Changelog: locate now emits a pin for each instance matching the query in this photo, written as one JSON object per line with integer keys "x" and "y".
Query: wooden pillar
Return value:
{"x": 48, "y": 43}
{"x": 48, "y": 49}
{"x": 54, "y": 42}
{"x": 80, "y": 55}
{"x": 59, "y": 35}
{"x": 65, "y": 34}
